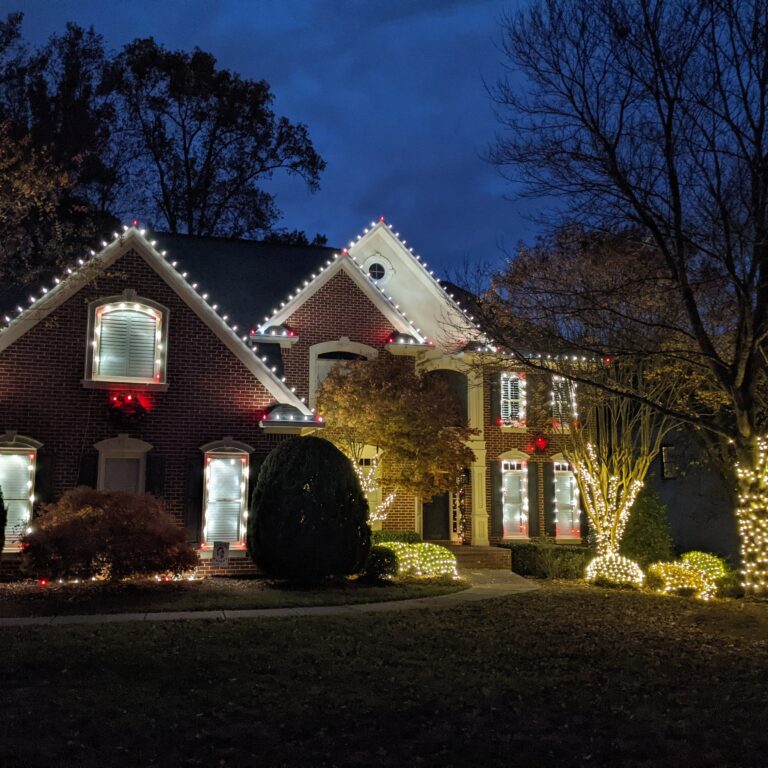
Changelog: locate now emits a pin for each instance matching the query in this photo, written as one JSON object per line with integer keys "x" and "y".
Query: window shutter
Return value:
{"x": 533, "y": 499}
{"x": 549, "y": 498}
{"x": 495, "y": 393}
{"x": 497, "y": 510}
{"x": 193, "y": 498}
{"x": 89, "y": 468}
{"x": 45, "y": 489}
{"x": 155, "y": 474}
{"x": 127, "y": 344}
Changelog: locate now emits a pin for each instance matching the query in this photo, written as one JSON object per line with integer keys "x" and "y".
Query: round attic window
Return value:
{"x": 377, "y": 271}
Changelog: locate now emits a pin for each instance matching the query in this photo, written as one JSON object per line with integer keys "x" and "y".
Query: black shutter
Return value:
{"x": 155, "y": 474}
{"x": 193, "y": 497}
{"x": 495, "y": 389}
{"x": 497, "y": 509}
{"x": 89, "y": 469}
{"x": 549, "y": 498}
{"x": 44, "y": 481}
{"x": 533, "y": 499}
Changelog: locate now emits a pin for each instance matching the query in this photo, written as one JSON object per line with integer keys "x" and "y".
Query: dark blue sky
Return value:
{"x": 392, "y": 93}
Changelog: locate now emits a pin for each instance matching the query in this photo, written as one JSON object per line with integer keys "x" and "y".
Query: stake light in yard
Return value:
{"x": 752, "y": 517}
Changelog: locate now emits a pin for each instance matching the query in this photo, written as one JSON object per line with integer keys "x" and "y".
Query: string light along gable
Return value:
{"x": 77, "y": 276}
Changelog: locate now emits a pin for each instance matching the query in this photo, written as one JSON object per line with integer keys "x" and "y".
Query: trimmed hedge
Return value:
{"x": 423, "y": 560}
{"x": 381, "y": 564}
{"x": 546, "y": 560}
{"x": 407, "y": 537}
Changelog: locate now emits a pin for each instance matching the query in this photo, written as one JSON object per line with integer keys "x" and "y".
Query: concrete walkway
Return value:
{"x": 484, "y": 585}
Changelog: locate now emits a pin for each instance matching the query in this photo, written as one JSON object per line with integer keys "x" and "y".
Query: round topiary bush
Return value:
{"x": 381, "y": 564}
{"x": 309, "y": 516}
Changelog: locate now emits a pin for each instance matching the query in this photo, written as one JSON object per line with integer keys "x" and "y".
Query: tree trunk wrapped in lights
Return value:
{"x": 752, "y": 518}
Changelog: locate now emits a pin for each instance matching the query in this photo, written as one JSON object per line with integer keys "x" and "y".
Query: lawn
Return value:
{"x": 565, "y": 675}
{"x": 146, "y": 595}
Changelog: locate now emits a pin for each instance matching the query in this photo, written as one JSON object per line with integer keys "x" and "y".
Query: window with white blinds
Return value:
{"x": 17, "y": 480}
{"x": 127, "y": 343}
{"x": 567, "y": 523}
{"x": 512, "y": 398}
{"x": 226, "y": 480}
{"x": 514, "y": 491}
{"x": 563, "y": 401}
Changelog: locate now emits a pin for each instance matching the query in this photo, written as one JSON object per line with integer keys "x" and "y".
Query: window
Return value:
{"x": 670, "y": 462}
{"x": 226, "y": 491}
{"x": 17, "y": 480}
{"x": 567, "y": 524}
{"x": 513, "y": 400}
{"x": 563, "y": 402}
{"x": 376, "y": 271}
{"x": 324, "y": 356}
{"x": 128, "y": 340}
{"x": 514, "y": 493}
{"x": 122, "y": 464}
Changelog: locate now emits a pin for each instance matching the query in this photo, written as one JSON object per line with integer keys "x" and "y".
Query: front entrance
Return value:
{"x": 435, "y": 519}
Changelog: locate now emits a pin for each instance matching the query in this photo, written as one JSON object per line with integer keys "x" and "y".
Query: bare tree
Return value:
{"x": 649, "y": 118}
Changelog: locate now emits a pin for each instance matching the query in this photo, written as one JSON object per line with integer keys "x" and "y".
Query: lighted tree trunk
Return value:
{"x": 752, "y": 518}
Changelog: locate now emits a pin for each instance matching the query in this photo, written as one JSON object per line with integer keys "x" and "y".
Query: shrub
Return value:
{"x": 545, "y": 560}
{"x": 680, "y": 579}
{"x": 616, "y": 571}
{"x": 408, "y": 537}
{"x": 712, "y": 566}
{"x": 381, "y": 564}
{"x": 89, "y": 533}
{"x": 423, "y": 560}
{"x": 309, "y": 517}
{"x": 647, "y": 537}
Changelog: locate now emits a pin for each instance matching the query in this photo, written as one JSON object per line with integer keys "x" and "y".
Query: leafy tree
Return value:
{"x": 294, "y": 237}
{"x": 205, "y": 140}
{"x": 308, "y": 518}
{"x": 414, "y": 420}
{"x": 650, "y": 117}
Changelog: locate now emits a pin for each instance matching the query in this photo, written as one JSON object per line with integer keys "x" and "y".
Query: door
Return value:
{"x": 435, "y": 518}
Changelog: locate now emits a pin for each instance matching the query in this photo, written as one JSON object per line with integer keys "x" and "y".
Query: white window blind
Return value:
{"x": 567, "y": 524}
{"x": 514, "y": 488}
{"x": 17, "y": 478}
{"x": 127, "y": 344}
{"x": 225, "y": 494}
{"x": 512, "y": 397}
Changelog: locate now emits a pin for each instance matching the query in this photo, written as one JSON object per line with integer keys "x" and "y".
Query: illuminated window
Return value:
{"x": 514, "y": 491}
{"x": 17, "y": 480}
{"x": 128, "y": 340}
{"x": 563, "y": 402}
{"x": 226, "y": 492}
{"x": 513, "y": 400}
{"x": 567, "y": 523}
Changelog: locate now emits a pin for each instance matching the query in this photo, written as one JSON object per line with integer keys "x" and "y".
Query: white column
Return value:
{"x": 479, "y": 509}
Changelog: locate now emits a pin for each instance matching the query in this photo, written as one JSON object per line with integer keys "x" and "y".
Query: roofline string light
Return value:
{"x": 118, "y": 239}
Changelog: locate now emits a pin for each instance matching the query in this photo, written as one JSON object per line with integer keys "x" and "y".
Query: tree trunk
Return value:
{"x": 752, "y": 517}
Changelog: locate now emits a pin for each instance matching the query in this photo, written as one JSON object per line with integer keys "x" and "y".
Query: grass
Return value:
{"x": 140, "y": 596}
{"x": 566, "y": 675}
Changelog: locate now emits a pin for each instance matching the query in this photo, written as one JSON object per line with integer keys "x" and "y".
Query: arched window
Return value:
{"x": 323, "y": 357}
{"x": 128, "y": 340}
{"x": 18, "y": 457}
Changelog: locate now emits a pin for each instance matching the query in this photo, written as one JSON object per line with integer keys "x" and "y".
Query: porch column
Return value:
{"x": 479, "y": 509}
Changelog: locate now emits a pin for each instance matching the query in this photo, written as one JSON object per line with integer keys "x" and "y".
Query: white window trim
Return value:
{"x": 218, "y": 449}
{"x": 122, "y": 447}
{"x": 342, "y": 345}
{"x": 560, "y": 467}
{"x": 127, "y": 300}
{"x": 517, "y": 464}
{"x": 11, "y": 443}
{"x": 521, "y": 421}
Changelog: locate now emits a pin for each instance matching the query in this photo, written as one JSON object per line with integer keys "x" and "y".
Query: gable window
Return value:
{"x": 567, "y": 523}
{"x": 563, "y": 399}
{"x": 18, "y": 463}
{"x": 128, "y": 340}
{"x": 226, "y": 492}
{"x": 513, "y": 400}
{"x": 514, "y": 490}
{"x": 324, "y": 356}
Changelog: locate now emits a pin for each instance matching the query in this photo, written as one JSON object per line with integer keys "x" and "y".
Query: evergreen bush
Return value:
{"x": 381, "y": 564}
{"x": 546, "y": 560}
{"x": 309, "y": 517}
{"x": 647, "y": 538}
{"x": 105, "y": 534}
{"x": 407, "y": 537}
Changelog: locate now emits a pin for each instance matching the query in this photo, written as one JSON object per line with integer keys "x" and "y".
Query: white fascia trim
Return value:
{"x": 133, "y": 239}
{"x": 343, "y": 262}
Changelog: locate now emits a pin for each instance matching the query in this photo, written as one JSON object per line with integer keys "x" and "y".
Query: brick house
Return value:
{"x": 175, "y": 367}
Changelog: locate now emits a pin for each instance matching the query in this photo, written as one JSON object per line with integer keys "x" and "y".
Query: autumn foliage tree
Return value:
{"x": 413, "y": 420}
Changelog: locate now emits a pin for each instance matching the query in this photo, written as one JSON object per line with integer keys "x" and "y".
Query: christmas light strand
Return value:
{"x": 752, "y": 518}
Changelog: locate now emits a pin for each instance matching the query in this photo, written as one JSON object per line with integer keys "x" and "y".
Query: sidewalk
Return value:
{"x": 485, "y": 585}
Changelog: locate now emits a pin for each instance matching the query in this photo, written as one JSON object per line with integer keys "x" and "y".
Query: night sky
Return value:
{"x": 392, "y": 92}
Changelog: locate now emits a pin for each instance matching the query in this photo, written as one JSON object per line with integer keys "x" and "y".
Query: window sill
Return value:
{"x": 568, "y": 540}
{"x": 143, "y": 386}
{"x": 512, "y": 428}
